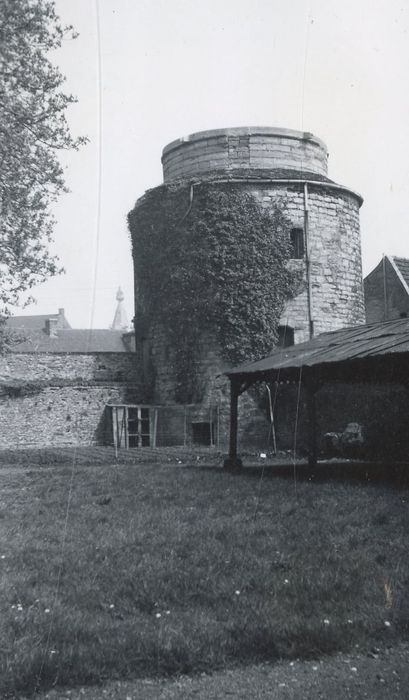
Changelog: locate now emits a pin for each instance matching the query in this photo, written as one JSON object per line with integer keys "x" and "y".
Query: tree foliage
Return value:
{"x": 33, "y": 128}
{"x": 216, "y": 267}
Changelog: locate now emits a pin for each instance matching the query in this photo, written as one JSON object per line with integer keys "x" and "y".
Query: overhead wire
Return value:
{"x": 92, "y": 314}
{"x": 307, "y": 41}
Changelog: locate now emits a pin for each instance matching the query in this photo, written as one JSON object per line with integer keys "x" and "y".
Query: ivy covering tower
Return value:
{"x": 247, "y": 244}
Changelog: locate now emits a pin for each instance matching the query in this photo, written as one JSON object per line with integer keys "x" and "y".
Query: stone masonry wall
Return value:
{"x": 335, "y": 256}
{"x": 253, "y": 425}
{"x": 87, "y": 367}
{"x": 336, "y": 277}
{"x": 235, "y": 149}
{"x": 163, "y": 366}
{"x": 58, "y": 416}
{"x": 67, "y": 407}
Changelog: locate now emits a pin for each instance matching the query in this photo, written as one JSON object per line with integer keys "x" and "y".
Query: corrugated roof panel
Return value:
{"x": 336, "y": 346}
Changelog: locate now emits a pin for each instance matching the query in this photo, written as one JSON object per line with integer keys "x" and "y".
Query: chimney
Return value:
{"x": 51, "y": 326}
{"x": 61, "y": 318}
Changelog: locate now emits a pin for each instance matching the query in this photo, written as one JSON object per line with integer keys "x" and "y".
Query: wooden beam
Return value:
{"x": 233, "y": 462}
{"x": 155, "y": 426}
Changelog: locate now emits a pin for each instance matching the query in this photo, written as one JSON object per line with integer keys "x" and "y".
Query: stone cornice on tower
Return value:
{"x": 250, "y": 154}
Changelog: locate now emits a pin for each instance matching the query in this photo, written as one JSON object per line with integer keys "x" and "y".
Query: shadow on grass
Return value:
{"x": 394, "y": 474}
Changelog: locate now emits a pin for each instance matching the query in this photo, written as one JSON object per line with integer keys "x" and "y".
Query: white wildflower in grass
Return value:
{"x": 19, "y": 607}
{"x": 237, "y": 592}
{"x": 13, "y": 607}
{"x": 53, "y": 651}
{"x": 354, "y": 669}
{"x": 3, "y": 556}
{"x": 387, "y": 623}
{"x": 47, "y": 610}
{"x": 326, "y": 621}
{"x": 349, "y": 622}
{"x": 286, "y": 581}
{"x": 263, "y": 455}
{"x": 167, "y": 612}
{"x": 158, "y": 615}
{"x": 315, "y": 668}
{"x": 112, "y": 606}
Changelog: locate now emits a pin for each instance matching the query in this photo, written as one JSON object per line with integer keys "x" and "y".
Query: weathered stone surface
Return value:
{"x": 58, "y": 416}
{"x": 65, "y": 402}
{"x": 248, "y": 147}
{"x": 115, "y": 367}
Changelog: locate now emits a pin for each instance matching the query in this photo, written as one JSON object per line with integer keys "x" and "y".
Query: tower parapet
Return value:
{"x": 237, "y": 150}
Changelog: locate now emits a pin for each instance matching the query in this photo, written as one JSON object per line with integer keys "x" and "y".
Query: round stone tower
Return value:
{"x": 291, "y": 167}
{"x": 276, "y": 166}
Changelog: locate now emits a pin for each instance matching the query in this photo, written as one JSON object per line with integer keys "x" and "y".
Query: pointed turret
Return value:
{"x": 120, "y": 322}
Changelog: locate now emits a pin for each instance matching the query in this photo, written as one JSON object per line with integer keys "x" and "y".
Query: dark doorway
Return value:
{"x": 202, "y": 433}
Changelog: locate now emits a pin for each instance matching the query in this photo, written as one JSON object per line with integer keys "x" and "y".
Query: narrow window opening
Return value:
{"x": 297, "y": 243}
{"x": 285, "y": 336}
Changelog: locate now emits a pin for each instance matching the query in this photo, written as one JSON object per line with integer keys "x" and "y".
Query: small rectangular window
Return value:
{"x": 297, "y": 243}
{"x": 285, "y": 336}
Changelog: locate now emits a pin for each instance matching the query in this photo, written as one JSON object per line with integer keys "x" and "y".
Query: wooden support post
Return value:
{"x": 184, "y": 427}
{"x": 155, "y": 427}
{"x": 233, "y": 462}
{"x": 311, "y": 389}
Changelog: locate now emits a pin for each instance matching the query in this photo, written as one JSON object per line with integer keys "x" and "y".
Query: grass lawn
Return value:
{"x": 145, "y": 570}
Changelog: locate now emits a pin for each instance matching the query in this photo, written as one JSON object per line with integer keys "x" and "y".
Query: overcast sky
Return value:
{"x": 172, "y": 67}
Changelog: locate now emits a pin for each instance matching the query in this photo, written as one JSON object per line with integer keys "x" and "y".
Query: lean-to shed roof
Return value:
{"x": 345, "y": 345}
